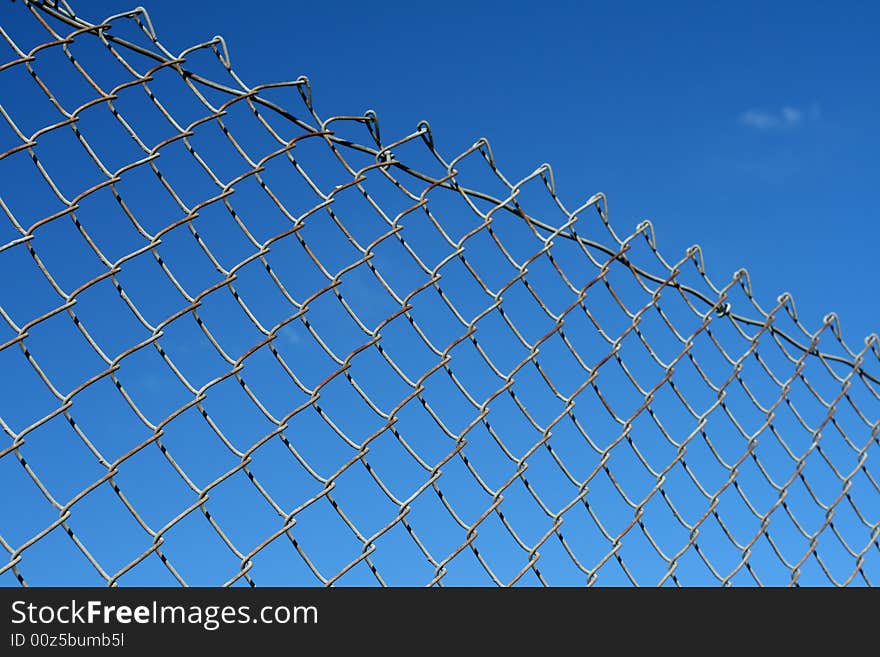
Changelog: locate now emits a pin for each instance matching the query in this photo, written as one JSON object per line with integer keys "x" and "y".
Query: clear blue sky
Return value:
{"x": 746, "y": 129}
{"x": 646, "y": 102}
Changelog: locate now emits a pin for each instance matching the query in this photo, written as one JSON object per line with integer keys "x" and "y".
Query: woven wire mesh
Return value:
{"x": 244, "y": 344}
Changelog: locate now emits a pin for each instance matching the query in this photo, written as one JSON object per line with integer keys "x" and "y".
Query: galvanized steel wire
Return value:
{"x": 670, "y": 318}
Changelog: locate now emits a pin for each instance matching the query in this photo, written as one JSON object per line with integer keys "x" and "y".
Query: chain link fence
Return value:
{"x": 243, "y": 344}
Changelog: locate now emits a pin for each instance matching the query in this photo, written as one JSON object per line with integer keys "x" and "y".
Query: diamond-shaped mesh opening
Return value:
{"x": 243, "y": 344}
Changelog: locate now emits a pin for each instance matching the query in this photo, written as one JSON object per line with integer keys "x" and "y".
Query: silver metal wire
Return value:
{"x": 689, "y": 400}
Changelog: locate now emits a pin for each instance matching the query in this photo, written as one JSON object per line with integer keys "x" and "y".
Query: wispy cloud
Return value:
{"x": 292, "y": 335}
{"x": 785, "y": 117}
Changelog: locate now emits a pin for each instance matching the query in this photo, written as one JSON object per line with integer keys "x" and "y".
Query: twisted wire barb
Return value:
{"x": 545, "y": 308}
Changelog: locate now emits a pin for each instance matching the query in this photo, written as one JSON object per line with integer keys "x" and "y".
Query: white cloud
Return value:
{"x": 786, "y": 117}
{"x": 759, "y": 119}
{"x": 292, "y": 335}
{"x": 792, "y": 115}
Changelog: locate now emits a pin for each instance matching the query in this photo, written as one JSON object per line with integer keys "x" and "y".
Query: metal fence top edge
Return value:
{"x": 62, "y": 11}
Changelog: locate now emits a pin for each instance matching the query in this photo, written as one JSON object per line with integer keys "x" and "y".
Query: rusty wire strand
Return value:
{"x": 424, "y": 129}
{"x": 603, "y": 261}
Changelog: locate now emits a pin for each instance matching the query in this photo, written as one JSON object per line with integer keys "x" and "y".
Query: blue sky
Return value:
{"x": 746, "y": 129}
